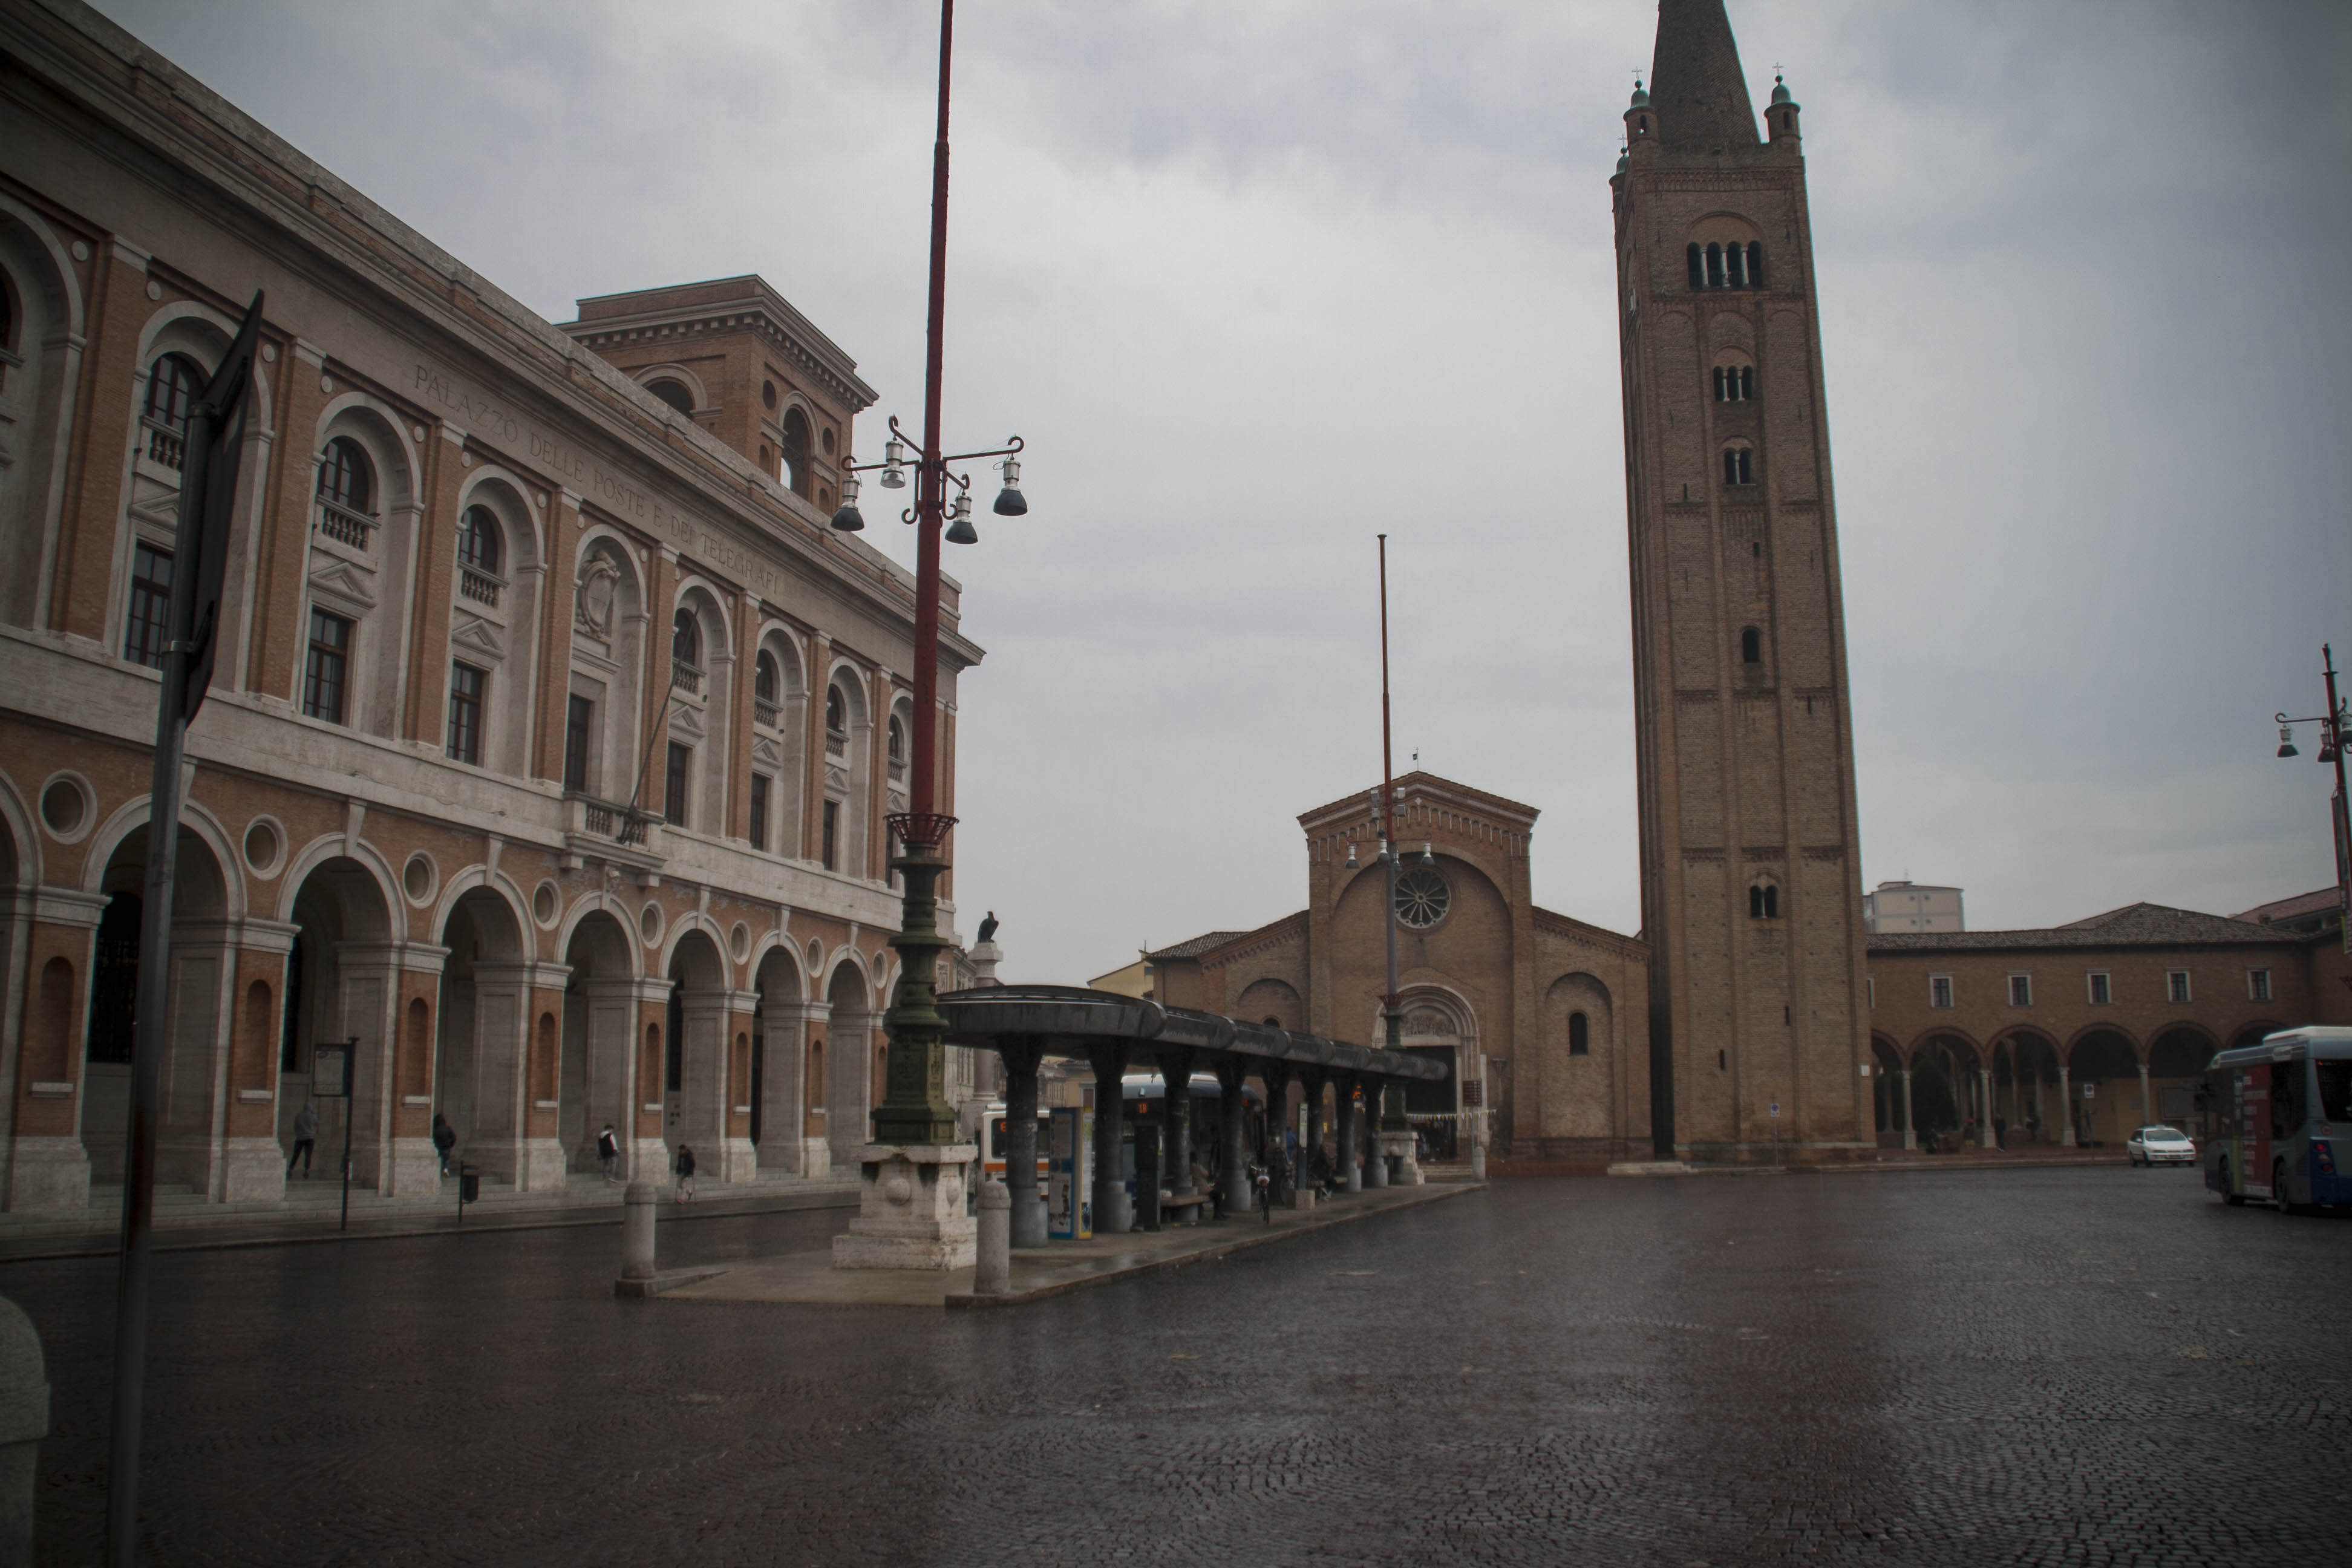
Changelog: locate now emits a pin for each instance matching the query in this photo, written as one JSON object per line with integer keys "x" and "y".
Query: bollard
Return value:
{"x": 24, "y": 1422}
{"x": 991, "y": 1273}
{"x": 1477, "y": 1162}
{"x": 637, "y": 1230}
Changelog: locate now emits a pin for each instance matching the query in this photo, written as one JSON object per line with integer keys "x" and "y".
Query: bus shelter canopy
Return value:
{"x": 1070, "y": 1020}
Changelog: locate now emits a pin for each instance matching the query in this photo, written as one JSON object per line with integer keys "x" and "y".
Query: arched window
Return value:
{"x": 1755, "y": 265}
{"x": 686, "y": 641}
{"x": 172, "y": 387}
{"x": 1764, "y": 903}
{"x": 1718, "y": 384}
{"x": 1751, "y": 645}
{"x": 1579, "y": 1034}
{"x": 1697, "y": 275}
{"x": 898, "y": 744}
{"x": 1738, "y": 465}
{"x": 765, "y": 678}
{"x": 837, "y": 714}
{"x": 673, "y": 393}
{"x": 345, "y": 478}
{"x": 1736, "y": 267}
{"x": 796, "y": 451}
{"x": 1747, "y": 382}
{"x": 479, "y": 540}
{"x": 1714, "y": 267}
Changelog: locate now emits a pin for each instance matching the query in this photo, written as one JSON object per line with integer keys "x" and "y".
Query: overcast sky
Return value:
{"x": 1257, "y": 281}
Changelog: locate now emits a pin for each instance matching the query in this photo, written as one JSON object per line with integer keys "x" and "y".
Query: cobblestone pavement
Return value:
{"x": 2079, "y": 1366}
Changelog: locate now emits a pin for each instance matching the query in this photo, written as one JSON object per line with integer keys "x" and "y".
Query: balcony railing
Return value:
{"x": 684, "y": 677}
{"x": 478, "y": 585}
{"x": 344, "y": 526}
{"x": 837, "y": 744}
{"x": 590, "y": 819}
{"x": 898, "y": 770}
{"x": 165, "y": 446}
{"x": 766, "y": 712}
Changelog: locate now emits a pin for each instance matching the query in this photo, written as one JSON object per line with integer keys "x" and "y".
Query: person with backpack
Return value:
{"x": 608, "y": 1153}
{"x": 685, "y": 1174}
{"x": 305, "y": 1134}
{"x": 444, "y": 1137}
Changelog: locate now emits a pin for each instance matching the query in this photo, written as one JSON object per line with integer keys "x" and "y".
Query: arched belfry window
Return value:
{"x": 837, "y": 718}
{"x": 346, "y": 478}
{"x": 1738, "y": 465}
{"x": 1697, "y": 268}
{"x": 1764, "y": 903}
{"x": 673, "y": 393}
{"x": 1714, "y": 267}
{"x": 796, "y": 452}
{"x": 686, "y": 640}
{"x": 765, "y": 678}
{"x": 898, "y": 746}
{"x": 479, "y": 540}
{"x": 1751, "y": 645}
{"x": 1755, "y": 265}
{"x": 1734, "y": 383}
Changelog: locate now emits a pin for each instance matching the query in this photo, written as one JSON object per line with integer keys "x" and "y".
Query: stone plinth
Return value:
{"x": 1401, "y": 1147}
{"x": 910, "y": 1209}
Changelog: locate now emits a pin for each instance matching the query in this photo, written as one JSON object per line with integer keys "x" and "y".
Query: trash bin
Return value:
{"x": 469, "y": 1185}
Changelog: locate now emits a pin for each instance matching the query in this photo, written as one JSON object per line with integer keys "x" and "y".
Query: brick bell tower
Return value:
{"x": 1751, "y": 882}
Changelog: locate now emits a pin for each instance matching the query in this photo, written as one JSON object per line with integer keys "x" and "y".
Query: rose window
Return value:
{"x": 1422, "y": 897}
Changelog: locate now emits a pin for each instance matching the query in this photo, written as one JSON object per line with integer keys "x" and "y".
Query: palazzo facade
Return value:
{"x": 552, "y": 732}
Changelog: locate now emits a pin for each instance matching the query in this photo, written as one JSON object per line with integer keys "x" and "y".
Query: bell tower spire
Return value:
{"x": 1751, "y": 890}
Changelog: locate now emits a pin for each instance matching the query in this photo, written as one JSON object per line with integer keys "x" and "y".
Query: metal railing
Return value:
{"x": 478, "y": 585}
{"x": 164, "y": 445}
{"x": 344, "y": 526}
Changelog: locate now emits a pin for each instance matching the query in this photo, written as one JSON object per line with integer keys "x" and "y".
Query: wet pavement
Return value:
{"x": 2090, "y": 1365}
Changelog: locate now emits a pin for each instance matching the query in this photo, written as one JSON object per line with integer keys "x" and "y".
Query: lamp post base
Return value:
{"x": 910, "y": 1209}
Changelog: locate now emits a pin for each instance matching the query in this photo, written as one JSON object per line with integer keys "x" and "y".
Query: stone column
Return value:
{"x": 47, "y": 1167}
{"x": 739, "y": 1159}
{"x": 1020, "y": 1057}
{"x": 544, "y": 1165}
{"x": 492, "y": 1138}
{"x": 1376, "y": 1165}
{"x": 1113, "y": 1212}
{"x": 1351, "y": 1123}
{"x": 1176, "y": 1119}
{"x": 816, "y": 1089}
{"x": 1275, "y": 1075}
{"x": 1984, "y": 1116}
{"x": 1232, "y": 1177}
{"x": 2065, "y": 1108}
{"x": 648, "y": 1151}
{"x": 1910, "y": 1131}
{"x": 2146, "y": 1105}
{"x": 610, "y": 1076}
{"x": 253, "y": 1162}
{"x": 1311, "y": 1084}
{"x": 390, "y": 997}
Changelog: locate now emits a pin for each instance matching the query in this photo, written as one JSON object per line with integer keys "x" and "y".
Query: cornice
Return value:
{"x": 833, "y": 371}
{"x": 1249, "y": 943}
{"x": 1569, "y": 926}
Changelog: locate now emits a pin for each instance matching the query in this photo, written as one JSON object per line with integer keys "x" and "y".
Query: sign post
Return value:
{"x": 1776, "y": 1134}
{"x": 331, "y": 1078}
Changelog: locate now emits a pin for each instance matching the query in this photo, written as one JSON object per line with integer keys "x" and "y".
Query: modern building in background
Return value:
{"x": 1749, "y": 843}
{"x": 1912, "y": 906}
{"x": 553, "y": 730}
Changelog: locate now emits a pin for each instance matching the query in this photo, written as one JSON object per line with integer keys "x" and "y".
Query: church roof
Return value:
{"x": 1695, "y": 84}
{"x": 2303, "y": 906}
{"x": 1419, "y": 785}
{"x": 2134, "y": 925}
{"x": 1196, "y": 946}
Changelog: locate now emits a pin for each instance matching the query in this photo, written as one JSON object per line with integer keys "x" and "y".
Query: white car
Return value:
{"x": 2161, "y": 1146}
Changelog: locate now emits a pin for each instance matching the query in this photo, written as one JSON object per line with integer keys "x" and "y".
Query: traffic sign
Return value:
{"x": 1775, "y": 1108}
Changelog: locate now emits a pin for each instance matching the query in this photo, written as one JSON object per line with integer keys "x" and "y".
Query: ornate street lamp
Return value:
{"x": 915, "y": 1108}
{"x": 2335, "y": 731}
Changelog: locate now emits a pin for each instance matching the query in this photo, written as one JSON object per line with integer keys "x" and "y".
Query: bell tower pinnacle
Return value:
{"x": 1751, "y": 882}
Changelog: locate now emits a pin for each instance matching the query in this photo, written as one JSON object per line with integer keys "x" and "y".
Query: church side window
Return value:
{"x": 1579, "y": 1034}
{"x": 1721, "y": 266}
{"x": 1734, "y": 383}
{"x": 1764, "y": 903}
{"x": 1751, "y": 645}
{"x": 1755, "y": 266}
{"x": 1697, "y": 271}
{"x": 1714, "y": 267}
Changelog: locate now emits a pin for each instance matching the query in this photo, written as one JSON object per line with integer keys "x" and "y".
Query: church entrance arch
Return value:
{"x": 1438, "y": 1027}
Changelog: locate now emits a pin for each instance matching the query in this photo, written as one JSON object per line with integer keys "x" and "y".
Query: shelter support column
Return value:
{"x": 1984, "y": 1117}
{"x": 1352, "y": 1117}
{"x": 2146, "y": 1105}
{"x": 1275, "y": 1075}
{"x": 1020, "y": 1056}
{"x": 1910, "y": 1132}
{"x": 1176, "y": 1120}
{"x": 1376, "y": 1165}
{"x": 1114, "y": 1214}
{"x": 648, "y": 1151}
{"x": 1310, "y": 1152}
{"x": 1233, "y": 1173}
{"x": 544, "y": 1163}
{"x": 2065, "y": 1108}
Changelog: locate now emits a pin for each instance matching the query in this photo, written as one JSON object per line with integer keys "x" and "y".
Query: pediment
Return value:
{"x": 345, "y": 585}
{"x": 836, "y": 780}
{"x": 686, "y": 722}
{"x": 477, "y": 638}
{"x": 767, "y": 754}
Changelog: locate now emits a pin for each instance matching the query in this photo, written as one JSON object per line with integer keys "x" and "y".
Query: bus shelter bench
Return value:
{"x": 1176, "y": 1207}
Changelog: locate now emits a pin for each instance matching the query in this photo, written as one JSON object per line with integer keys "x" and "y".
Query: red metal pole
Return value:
{"x": 931, "y": 475}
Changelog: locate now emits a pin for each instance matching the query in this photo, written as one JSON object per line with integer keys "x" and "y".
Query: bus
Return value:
{"x": 2283, "y": 1121}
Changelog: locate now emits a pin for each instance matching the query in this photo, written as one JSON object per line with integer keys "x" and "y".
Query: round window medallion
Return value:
{"x": 739, "y": 941}
{"x": 768, "y": 392}
{"x": 546, "y": 903}
{"x": 1422, "y": 898}
{"x": 66, "y": 808}
{"x": 81, "y": 250}
{"x": 154, "y": 289}
{"x": 649, "y": 924}
{"x": 418, "y": 878}
{"x": 262, "y": 848}
{"x": 325, "y": 383}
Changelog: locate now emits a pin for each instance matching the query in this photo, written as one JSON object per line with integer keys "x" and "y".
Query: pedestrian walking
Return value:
{"x": 686, "y": 1173}
{"x": 608, "y": 1153}
{"x": 2000, "y": 1131}
{"x": 444, "y": 1137}
{"x": 305, "y": 1134}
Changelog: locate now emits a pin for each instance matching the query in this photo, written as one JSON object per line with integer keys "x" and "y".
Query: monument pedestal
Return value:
{"x": 910, "y": 1209}
{"x": 1400, "y": 1147}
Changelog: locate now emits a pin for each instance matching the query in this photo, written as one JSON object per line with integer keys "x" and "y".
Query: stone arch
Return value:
{"x": 482, "y": 1058}
{"x": 514, "y": 934}
{"x": 494, "y": 613}
{"x": 44, "y": 309}
{"x": 2253, "y": 1034}
{"x": 20, "y": 846}
{"x": 2107, "y": 1060}
{"x": 684, "y": 377}
{"x": 610, "y": 623}
{"x": 1946, "y": 1085}
{"x": 694, "y": 1069}
{"x": 701, "y": 711}
{"x": 222, "y": 892}
{"x": 780, "y": 736}
{"x": 853, "y": 1029}
{"x": 778, "y": 1055}
{"x": 1271, "y": 999}
{"x": 1888, "y": 1063}
{"x": 594, "y": 1084}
